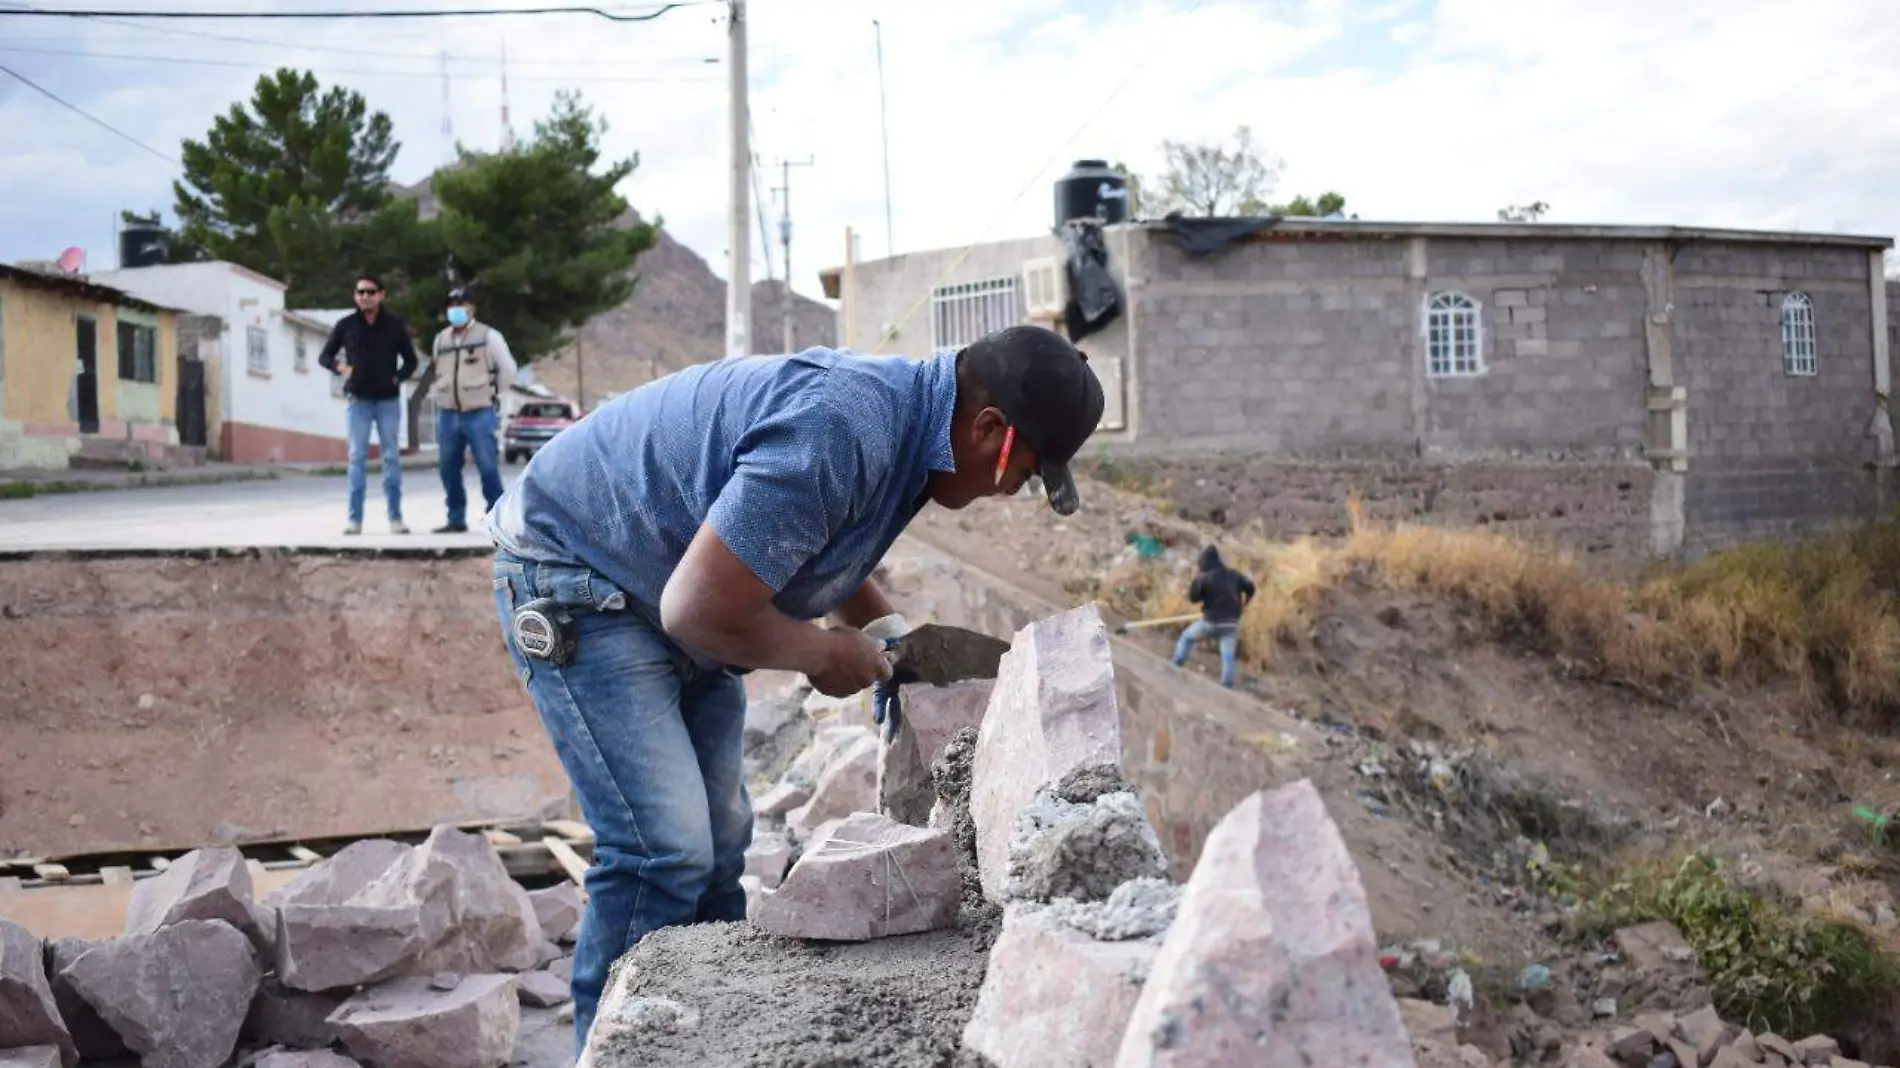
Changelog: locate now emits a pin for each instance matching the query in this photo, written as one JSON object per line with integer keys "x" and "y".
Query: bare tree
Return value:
{"x": 1210, "y": 179}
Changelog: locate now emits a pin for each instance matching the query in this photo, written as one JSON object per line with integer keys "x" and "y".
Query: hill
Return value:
{"x": 675, "y": 318}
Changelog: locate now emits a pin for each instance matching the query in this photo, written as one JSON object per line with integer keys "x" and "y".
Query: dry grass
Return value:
{"x": 1821, "y": 614}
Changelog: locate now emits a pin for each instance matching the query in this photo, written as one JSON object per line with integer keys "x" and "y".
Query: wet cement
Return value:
{"x": 753, "y": 1000}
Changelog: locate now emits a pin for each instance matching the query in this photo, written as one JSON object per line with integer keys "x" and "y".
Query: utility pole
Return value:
{"x": 785, "y": 240}
{"x": 884, "y": 126}
{"x": 507, "y": 128}
{"x": 739, "y": 252}
{"x": 580, "y": 375}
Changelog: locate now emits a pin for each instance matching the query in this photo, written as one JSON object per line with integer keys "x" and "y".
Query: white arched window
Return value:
{"x": 1797, "y": 334}
{"x": 1453, "y": 338}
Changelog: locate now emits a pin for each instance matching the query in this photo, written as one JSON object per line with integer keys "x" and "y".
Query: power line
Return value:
{"x": 82, "y": 112}
{"x": 604, "y": 13}
{"x": 240, "y": 64}
{"x": 420, "y": 57}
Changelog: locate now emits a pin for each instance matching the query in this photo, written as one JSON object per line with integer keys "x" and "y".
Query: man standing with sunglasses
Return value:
{"x": 378, "y": 357}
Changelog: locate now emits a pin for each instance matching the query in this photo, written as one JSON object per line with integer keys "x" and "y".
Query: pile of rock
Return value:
{"x": 1702, "y": 1040}
{"x": 403, "y": 956}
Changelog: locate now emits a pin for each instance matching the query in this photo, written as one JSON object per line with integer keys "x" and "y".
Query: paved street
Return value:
{"x": 296, "y": 510}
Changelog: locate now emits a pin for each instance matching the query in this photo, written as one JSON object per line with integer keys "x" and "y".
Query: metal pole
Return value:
{"x": 785, "y": 239}
{"x": 884, "y": 125}
{"x": 739, "y": 275}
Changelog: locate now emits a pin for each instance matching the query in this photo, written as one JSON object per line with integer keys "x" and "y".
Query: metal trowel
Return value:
{"x": 940, "y": 655}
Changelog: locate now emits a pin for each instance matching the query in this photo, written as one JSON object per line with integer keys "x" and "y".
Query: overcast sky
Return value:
{"x": 1744, "y": 113}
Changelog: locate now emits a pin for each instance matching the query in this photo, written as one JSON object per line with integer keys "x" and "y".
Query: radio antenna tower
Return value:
{"x": 448, "y": 128}
{"x": 507, "y": 128}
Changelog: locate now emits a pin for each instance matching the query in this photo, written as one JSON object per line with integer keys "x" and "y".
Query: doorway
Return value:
{"x": 86, "y": 384}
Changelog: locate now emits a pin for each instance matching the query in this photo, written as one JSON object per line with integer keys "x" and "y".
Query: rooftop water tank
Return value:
{"x": 1091, "y": 190}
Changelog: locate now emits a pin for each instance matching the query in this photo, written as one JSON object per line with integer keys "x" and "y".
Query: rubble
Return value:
{"x": 329, "y": 947}
{"x": 204, "y": 884}
{"x": 95, "y": 1041}
{"x": 1053, "y": 996}
{"x": 865, "y": 876}
{"x": 28, "y": 1014}
{"x": 178, "y": 997}
{"x": 340, "y": 876}
{"x": 543, "y": 990}
{"x": 30, "y": 1057}
{"x": 299, "y": 1019}
{"x": 404, "y": 1023}
{"x": 776, "y": 728}
{"x": 932, "y": 714}
{"x": 480, "y": 918}
{"x": 1053, "y": 710}
{"x": 1272, "y": 950}
{"x": 768, "y": 857}
{"x": 1081, "y": 851}
{"x": 848, "y": 785}
{"x": 558, "y": 909}
{"x": 781, "y": 799}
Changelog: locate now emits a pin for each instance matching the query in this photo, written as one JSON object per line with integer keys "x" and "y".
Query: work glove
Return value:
{"x": 887, "y": 708}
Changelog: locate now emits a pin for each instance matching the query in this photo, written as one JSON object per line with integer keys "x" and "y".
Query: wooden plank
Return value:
{"x": 570, "y": 862}
{"x": 498, "y": 837}
{"x": 305, "y": 854}
{"x": 52, "y": 873}
{"x": 92, "y": 911}
{"x": 115, "y": 876}
{"x": 573, "y": 830}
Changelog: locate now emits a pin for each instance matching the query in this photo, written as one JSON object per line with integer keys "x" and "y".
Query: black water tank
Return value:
{"x": 1092, "y": 190}
{"x": 142, "y": 245}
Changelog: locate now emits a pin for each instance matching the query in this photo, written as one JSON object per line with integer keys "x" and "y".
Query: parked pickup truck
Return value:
{"x": 533, "y": 425}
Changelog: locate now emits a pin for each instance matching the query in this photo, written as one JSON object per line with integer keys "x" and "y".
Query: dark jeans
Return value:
{"x": 474, "y": 431}
{"x": 654, "y": 747}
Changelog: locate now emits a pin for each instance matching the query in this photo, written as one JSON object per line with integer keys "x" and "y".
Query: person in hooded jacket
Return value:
{"x": 1223, "y": 594}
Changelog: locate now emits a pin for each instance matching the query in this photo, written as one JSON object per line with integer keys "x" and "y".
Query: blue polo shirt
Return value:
{"x": 807, "y": 466}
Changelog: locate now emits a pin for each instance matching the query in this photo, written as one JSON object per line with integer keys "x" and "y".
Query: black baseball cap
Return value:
{"x": 1046, "y": 389}
{"x": 460, "y": 295}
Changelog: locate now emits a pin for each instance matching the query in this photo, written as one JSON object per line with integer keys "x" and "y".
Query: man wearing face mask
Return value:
{"x": 472, "y": 367}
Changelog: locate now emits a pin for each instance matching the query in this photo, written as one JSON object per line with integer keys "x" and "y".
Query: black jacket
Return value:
{"x": 380, "y": 354}
{"x": 1220, "y": 590}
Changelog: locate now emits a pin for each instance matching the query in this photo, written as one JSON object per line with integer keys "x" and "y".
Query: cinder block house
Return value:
{"x": 1649, "y": 390}
{"x": 86, "y": 371}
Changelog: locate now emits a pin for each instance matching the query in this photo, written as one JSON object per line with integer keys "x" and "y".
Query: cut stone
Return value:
{"x": 299, "y": 1019}
{"x": 562, "y": 969}
{"x": 1052, "y": 996}
{"x": 848, "y": 785}
{"x": 865, "y": 876}
{"x": 559, "y": 909}
{"x": 177, "y": 997}
{"x": 302, "y": 1058}
{"x": 931, "y": 714}
{"x": 475, "y": 917}
{"x": 28, "y": 1014}
{"x": 1704, "y": 1030}
{"x": 204, "y": 884}
{"x": 94, "y": 1040}
{"x": 781, "y": 799}
{"x": 405, "y": 1024}
{"x": 1053, "y": 710}
{"x": 1081, "y": 851}
{"x": 339, "y": 877}
{"x": 543, "y": 990}
{"x": 330, "y": 947}
{"x": 1272, "y": 952}
{"x": 30, "y": 1057}
{"x": 768, "y": 857}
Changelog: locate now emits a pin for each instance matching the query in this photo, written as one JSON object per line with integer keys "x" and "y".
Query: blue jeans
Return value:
{"x": 386, "y": 416}
{"x": 474, "y": 431}
{"x": 1227, "y": 634}
{"x": 654, "y": 747}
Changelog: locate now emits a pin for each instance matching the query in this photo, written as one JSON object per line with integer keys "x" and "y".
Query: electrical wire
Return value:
{"x": 83, "y": 113}
{"x": 243, "y": 65}
{"x": 116, "y": 13}
{"x": 430, "y": 57}
{"x": 1034, "y": 179}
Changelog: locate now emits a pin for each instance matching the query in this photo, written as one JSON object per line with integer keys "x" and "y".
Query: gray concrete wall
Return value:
{"x": 1774, "y": 453}
{"x": 1314, "y": 348}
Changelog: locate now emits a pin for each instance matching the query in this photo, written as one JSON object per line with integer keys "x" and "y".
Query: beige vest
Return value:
{"x": 464, "y": 372}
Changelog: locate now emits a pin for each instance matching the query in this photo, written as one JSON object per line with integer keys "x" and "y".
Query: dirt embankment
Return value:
{"x": 172, "y": 701}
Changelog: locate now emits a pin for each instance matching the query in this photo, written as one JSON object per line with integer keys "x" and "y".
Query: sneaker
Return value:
{"x": 397, "y": 526}
{"x": 353, "y": 528}
{"x": 451, "y": 528}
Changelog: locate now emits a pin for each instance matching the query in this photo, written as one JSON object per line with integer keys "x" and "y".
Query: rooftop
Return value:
{"x": 77, "y": 286}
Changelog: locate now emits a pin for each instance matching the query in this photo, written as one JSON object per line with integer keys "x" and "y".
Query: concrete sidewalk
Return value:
{"x": 39, "y": 481}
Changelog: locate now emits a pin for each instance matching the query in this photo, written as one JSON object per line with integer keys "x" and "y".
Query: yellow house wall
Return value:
{"x": 39, "y": 347}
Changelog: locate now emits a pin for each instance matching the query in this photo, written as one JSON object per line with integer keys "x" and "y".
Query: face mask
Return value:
{"x": 458, "y": 316}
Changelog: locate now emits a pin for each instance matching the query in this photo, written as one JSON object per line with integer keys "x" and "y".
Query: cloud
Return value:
{"x": 1712, "y": 112}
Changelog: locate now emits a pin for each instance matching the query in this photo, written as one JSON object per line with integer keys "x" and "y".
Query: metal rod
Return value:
{"x": 739, "y": 254}
{"x": 884, "y": 125}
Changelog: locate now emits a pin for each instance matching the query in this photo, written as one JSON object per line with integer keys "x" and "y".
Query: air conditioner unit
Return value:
{"x": 1045, "y": 288}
